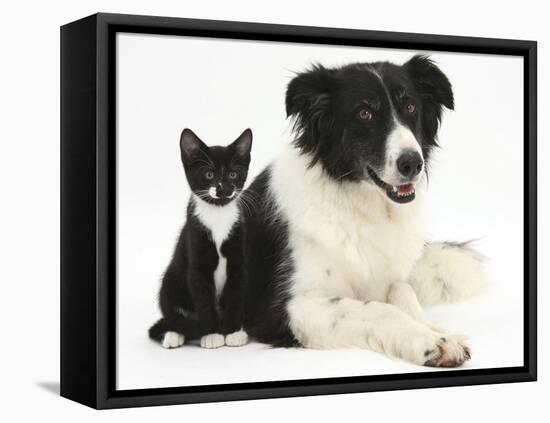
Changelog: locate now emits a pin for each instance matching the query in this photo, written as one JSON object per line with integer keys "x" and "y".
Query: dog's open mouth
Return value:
{"x": 399, "y": 193}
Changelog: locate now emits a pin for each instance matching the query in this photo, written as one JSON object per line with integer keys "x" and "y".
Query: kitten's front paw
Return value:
{"x": 236, "y": 339}
{"x": 212, "y": 340}
{"x": 173, "y": 340}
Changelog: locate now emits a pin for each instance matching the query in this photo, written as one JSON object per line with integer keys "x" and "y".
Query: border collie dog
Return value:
{"x": 336, "y": 249}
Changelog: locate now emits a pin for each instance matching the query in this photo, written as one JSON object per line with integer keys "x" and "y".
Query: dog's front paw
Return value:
{"x": 449, "y": 351}
{"x": 212, "y": 340}
{"x": 173, "y": 340}
{"x": 236, "y": 339}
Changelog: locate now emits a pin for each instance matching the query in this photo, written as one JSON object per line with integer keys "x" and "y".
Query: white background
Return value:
{"x": 220, "y": 87}
{"x": 29, "y": 173}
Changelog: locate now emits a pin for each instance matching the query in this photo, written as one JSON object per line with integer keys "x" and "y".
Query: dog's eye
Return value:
{"x": 209, "y": 174}
{"x": 411, "y": 108}
{"x": 365, "y": 114}
{"x": 232, "y": 175}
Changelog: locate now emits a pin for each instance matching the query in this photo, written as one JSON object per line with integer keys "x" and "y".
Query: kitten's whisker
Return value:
{"x": 242, "y": 201}
{"x": 248, "y": 202}
{"x": 203, "y": 194}
{"x": 250, "y": 198}
{"x": 345, "y": 174}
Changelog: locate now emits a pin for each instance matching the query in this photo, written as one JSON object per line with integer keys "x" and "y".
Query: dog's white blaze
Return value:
{"x": 400, "y": 138}
{"x": 220, "y": 220}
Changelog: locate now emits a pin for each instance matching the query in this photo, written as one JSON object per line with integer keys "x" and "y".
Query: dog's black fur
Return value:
{"x": 325, "y": 104}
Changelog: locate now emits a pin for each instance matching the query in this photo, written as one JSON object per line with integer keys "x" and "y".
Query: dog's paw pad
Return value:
{"x": 213, "y": 340}
{"x": 173, "y": 340}
{"x": 236, "y": 339}
{"x": 450, "y": 351}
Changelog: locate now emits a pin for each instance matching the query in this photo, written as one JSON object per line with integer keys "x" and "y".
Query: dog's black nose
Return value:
{"x": 409, "y": 163}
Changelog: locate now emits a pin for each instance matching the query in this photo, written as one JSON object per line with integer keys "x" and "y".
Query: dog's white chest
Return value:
{"x": 220, "y": 221}
{"x": 366, "y": 253}
{"x": 346, "y": 240}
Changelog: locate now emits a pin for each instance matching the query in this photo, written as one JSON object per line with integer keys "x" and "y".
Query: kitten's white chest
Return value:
{"x": 220, "y": 220}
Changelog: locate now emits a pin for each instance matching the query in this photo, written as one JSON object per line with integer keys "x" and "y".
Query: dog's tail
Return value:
{"x": 177, "y": 323}
{"x": 448, "y": 272}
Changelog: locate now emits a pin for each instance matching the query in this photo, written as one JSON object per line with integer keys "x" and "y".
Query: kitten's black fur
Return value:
{"x": 187, "y": 299}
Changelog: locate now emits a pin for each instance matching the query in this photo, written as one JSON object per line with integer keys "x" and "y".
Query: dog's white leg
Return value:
{"x": 402, "y": 296}
{"x": 335, "y": 322}
{"x": 448, "y": 273}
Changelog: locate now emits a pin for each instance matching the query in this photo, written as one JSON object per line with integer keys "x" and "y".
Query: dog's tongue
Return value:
{"x": 405, "y": 189}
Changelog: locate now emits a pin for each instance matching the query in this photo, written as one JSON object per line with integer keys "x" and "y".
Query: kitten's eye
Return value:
{"x": 411, "y": 108}
{"x": 232, "y": 175}
{"x": 209, "y": 174}
{"x": 365, "y": 114}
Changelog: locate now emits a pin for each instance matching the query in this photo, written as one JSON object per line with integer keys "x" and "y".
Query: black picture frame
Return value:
{"x": 88, "y": 200}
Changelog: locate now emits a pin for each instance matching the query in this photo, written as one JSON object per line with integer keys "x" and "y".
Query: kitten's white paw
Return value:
{"x": 236, "y": 339}
{"x": 173, "y": 340}
{"x": 212, "y": 340}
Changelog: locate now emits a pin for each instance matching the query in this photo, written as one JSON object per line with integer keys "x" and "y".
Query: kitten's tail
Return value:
{"x": 157, "y": 331}
{"x": 185, "y": 326}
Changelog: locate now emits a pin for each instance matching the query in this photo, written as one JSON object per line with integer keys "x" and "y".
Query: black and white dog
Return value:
{"x": 336, "y": 245}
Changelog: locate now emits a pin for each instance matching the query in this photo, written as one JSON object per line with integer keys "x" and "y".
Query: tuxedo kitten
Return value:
{"x": 202, "y": 291}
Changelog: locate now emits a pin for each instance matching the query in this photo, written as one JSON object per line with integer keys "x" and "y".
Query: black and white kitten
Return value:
{"x": 202, "y": 291}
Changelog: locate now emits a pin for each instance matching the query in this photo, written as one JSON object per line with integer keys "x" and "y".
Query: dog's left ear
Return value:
{"x": 432, "y": 84}
{"x": 435, "y": 90}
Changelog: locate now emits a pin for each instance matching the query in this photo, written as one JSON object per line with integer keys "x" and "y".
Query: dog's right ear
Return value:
{"x": 309, "y": 91}
{"x": 308, "y": 98}
{"x": 190, "y": 146}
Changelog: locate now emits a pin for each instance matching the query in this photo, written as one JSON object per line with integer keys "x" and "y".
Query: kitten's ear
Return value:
{"x": 190, "y": 146}
{"x": 243, "y": 145}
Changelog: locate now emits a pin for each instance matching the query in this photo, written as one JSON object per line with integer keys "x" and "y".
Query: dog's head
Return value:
{"x": 371, "y": 121}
